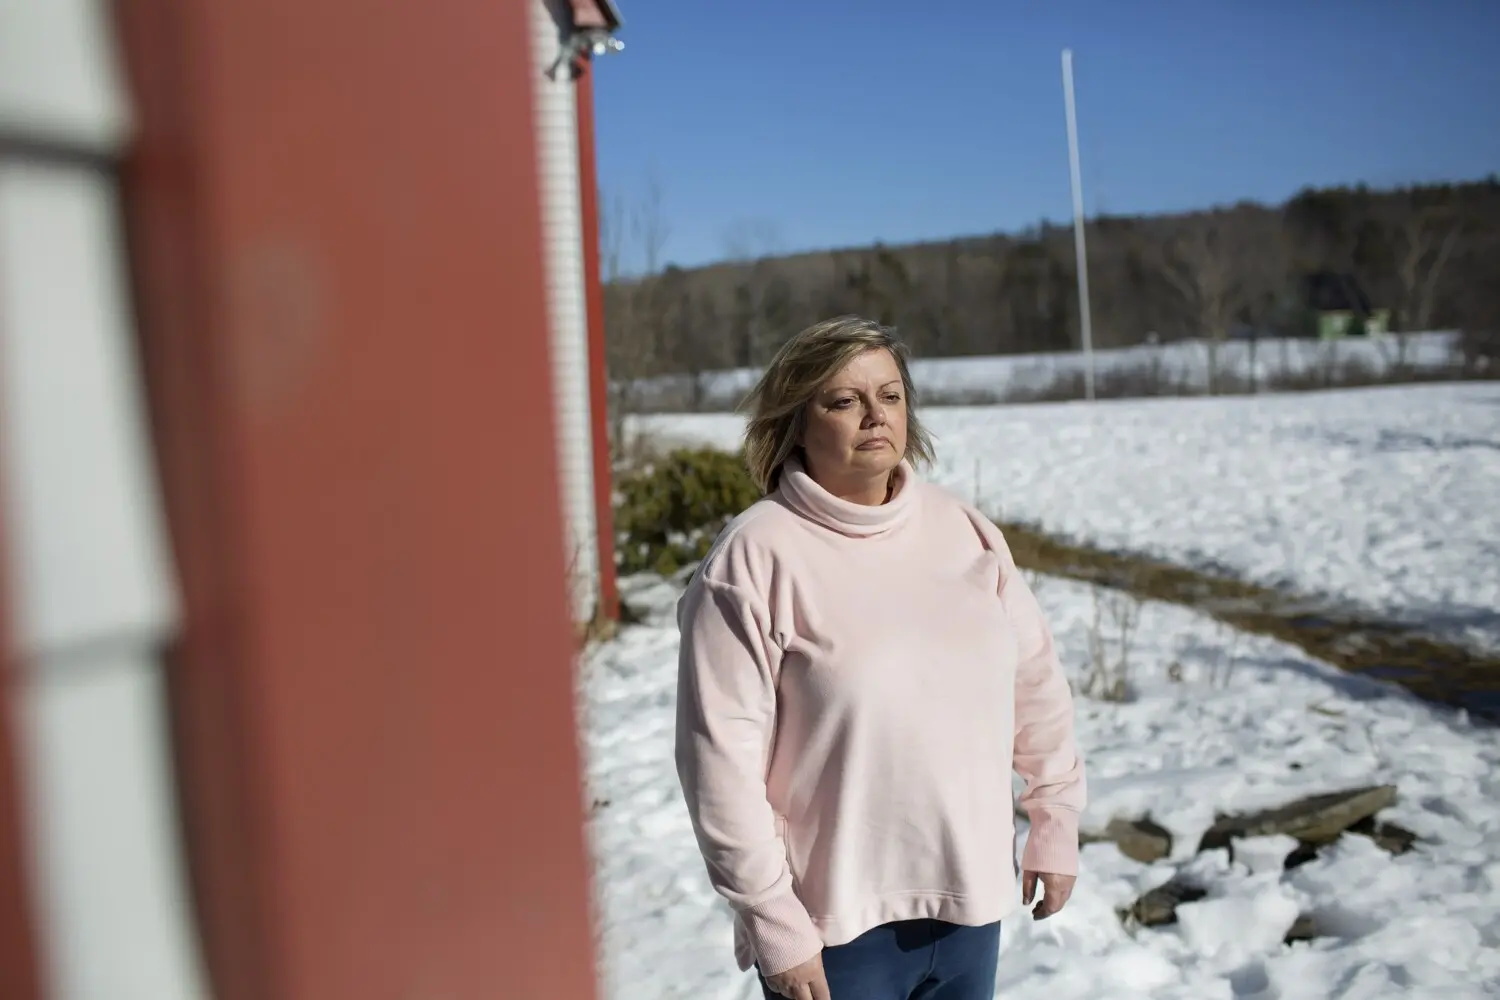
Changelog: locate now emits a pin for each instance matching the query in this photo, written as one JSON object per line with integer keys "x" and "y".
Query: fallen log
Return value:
{"x": 1140, "y": 839}
{"x": 1315, "y": 820}
{"x": 1158, "y": 907}
{"x": 1392, "y": 837}
{"x": 1305, "y": 928}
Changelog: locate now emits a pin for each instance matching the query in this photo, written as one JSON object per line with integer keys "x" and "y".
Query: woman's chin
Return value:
{"x": 874, "y": 460}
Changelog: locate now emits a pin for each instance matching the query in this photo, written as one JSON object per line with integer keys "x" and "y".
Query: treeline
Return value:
{"x": 1428, "y": 255}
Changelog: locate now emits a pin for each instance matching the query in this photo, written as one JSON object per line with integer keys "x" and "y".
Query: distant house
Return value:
{"x": 1340, "y": 307}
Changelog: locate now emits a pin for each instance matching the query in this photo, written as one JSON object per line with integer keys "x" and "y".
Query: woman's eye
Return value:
{"x": 893, "y": 397}
{"x": 843, "y": 404}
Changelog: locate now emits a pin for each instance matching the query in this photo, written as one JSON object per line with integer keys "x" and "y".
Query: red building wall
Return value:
{"x": 18, "y": 955}
{"x": 336, "y": 245}
{"x": 588, "y": 199}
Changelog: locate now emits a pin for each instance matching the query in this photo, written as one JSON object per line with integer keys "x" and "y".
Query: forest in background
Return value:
{"x": 1429, "y": 255}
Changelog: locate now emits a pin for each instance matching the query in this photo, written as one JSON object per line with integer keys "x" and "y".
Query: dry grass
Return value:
{"x": 1111, "y": 641}
{"x": 1430, "y": 668}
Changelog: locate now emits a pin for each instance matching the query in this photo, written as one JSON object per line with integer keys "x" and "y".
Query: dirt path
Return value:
{"x": 1436, "y": 671}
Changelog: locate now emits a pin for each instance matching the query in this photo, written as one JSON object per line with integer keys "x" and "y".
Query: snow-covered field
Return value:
{"x": 1238, "y": 723}
{"x": 1388, "y": 498}
{"x": 1184, "y": 364}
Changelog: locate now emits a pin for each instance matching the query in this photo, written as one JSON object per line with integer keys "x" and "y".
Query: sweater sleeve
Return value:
{"x": 726, "y": 713}
{"x": 1045, "y": 754}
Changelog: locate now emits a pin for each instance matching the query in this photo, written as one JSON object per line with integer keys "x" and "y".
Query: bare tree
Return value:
{"x": 649, "y": 227}
{"x": 688, "y": 337}
{"x": 1198, "y": 264}
{"x": 624, "y": 353}
{"x": 632, "y": 237}
{"x": 1426, "y": 239}
{"x": 748, "y": 240}
{"x": 1221, "y": 269}
{"x": 755, "y": 244}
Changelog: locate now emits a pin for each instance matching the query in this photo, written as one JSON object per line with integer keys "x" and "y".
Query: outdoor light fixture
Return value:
{"x": 601, "y": 41}
{"x": 585, "y": 41}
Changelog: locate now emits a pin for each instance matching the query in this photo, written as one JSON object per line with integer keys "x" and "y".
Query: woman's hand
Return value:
{"x": 805, "y": 982}
{"x": 1055, "y": 892}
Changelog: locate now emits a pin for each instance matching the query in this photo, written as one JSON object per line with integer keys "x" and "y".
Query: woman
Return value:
{"x": 862, "y": 666}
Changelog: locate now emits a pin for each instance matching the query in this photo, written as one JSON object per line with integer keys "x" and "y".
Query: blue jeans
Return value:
{"x": 913, "y": 960}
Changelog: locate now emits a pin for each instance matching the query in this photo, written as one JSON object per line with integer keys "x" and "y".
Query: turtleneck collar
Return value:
{"x": 803, "y": 494}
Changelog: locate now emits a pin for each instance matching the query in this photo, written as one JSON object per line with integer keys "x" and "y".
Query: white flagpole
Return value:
{"x": 1085, "y": 320}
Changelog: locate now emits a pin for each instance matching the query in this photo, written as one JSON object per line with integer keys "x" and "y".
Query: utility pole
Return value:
{"x": 1084, "y": 319}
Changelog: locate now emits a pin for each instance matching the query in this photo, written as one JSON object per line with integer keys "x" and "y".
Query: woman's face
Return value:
{"x": 855, "y": 430}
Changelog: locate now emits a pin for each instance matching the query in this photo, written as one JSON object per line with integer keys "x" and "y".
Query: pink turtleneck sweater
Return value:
{"x": 856, "y": 685}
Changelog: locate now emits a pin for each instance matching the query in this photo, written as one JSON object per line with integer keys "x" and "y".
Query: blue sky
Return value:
{"x": 818, "y": 123}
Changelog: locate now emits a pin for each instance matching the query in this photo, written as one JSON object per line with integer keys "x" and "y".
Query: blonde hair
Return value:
{"x": 778, "y": 403}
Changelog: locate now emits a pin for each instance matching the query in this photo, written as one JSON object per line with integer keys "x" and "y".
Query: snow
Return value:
{"x": 1387, "y": 498}
{"x": 1382, "y": 497}
{"x": 1218, "y": 722}
{"x": 1185, "y": 364}
{"x": 1263, "y": 854}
